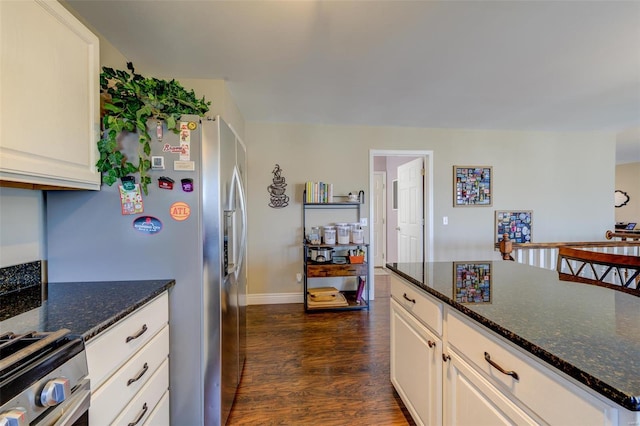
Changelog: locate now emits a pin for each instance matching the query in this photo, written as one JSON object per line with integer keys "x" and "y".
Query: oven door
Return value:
{"x": 72, "y": 411}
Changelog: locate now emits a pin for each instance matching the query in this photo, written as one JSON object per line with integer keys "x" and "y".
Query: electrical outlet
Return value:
{"x": 299, "y": 277}
{"x": 363, "y": 221}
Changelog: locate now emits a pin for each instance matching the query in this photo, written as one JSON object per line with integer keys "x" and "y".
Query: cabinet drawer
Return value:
{"x": 552, "y": 397}
{"x": 419, "y": 304}
{"x": 108, "y": 400}
{"x": 109, "y": 350}
{"x": 331, "y": 270}
{"x": 160, "y": 416}
{"x": 141, "y": 407}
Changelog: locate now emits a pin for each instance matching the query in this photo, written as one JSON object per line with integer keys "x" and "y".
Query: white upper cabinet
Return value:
{"x": 49, "y": 96}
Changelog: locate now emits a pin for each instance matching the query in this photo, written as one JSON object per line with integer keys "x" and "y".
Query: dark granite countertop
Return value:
{"x": 85, "y": 308}
{"x": 591, "y": 333}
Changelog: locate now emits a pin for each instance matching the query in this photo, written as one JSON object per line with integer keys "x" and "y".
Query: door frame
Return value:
{"x": 383, "y": 238}
{"x": 427, "y": 200}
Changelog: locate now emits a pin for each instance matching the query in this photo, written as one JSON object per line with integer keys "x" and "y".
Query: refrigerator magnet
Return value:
{"x": 147, "y": 225}
{"x": 157, "y": 162}
{"x": 159, "y": 130}
{"x": 185, "y": 153}
{"x": 180, "y": 211}
{"x": 187, "y": 185}
{"x": 165, "y": 182}
{"x": 185, "y": 133}
{"x": 184, "y": 166}
{"x": 131, "y": 200}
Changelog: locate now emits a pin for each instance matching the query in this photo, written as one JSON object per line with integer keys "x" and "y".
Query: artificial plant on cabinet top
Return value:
{"x": 129, "y": 100}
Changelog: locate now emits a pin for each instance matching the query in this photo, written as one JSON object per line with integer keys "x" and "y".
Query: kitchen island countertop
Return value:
{"x": 590, "y": 333}
{"x": 85, "y": 308}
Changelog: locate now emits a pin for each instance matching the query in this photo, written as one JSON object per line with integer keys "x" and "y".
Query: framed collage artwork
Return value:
{"x": 518, "y": 224}
{"x": 472, "y": 282}
{"x": 472, "y": 186}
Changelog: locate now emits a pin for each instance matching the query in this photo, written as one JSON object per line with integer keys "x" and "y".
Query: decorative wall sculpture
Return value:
{"x": 276, "y": 190}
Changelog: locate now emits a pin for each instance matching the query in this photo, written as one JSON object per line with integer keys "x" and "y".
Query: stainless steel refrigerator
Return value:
{"x": 191, "y": 227}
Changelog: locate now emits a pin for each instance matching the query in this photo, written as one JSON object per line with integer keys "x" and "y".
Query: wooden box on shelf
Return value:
{"x": 333, "y": 270}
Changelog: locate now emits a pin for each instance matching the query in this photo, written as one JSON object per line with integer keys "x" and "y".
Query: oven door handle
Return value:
{"x": 73, "y": 408}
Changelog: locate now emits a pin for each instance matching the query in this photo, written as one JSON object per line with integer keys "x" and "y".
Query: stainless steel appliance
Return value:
{"x": 43, "y": 379}
{"x": 192, "y": 228}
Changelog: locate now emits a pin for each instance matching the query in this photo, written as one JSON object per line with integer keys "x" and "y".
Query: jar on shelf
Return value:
{"x": 329, "y": 233}
{"x": 343, "y": 233}
{"x": 314, "y": 235}
{"x": 357, "y": 235}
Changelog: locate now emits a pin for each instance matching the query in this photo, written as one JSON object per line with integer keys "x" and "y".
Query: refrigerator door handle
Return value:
{"x": 237, "y": 180}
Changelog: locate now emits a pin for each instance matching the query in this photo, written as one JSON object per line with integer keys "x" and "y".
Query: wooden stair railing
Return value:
{"x": 627, "y": 269}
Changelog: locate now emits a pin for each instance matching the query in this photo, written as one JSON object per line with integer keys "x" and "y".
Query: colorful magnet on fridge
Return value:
{"x": 128, "y": 182}
{"x": 187, "y": 185}
{"x": 165, "y": 182}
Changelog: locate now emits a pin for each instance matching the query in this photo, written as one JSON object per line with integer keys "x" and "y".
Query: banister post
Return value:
{"x": 506, "y": 247}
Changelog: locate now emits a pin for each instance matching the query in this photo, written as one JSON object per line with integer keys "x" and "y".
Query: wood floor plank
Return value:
{"x": 320, "y": 368}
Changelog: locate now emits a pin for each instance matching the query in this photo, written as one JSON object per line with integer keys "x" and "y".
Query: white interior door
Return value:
{"x": 410, "y": 211}
{"x": 379, "y": 218}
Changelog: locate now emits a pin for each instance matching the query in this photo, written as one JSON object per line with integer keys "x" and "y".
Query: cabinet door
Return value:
{"x": 416, "y": 366}
{"x": 49, "y": 107}
{"x": 473, "y": 401}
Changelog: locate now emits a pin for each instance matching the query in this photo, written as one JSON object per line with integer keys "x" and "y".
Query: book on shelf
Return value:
{"x": 318, "y": 192}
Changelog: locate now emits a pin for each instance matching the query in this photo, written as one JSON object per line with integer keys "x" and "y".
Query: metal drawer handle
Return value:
{"x": 513, "y": 374}
{"x": 140, "y": 416}
{"x": 407, "y": 298}
{"x": 144, "y": 369}
{"x": 138, "y": 334}
{"x": 431, "y": 344}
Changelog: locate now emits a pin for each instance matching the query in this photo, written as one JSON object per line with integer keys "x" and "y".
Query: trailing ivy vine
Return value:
{"x": 129, "y": 101}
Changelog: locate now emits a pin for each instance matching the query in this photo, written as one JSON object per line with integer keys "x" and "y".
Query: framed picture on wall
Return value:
{"x": 518, "y": 224}
{"x": 472, "y": 186}
{"x": 472, "y": 282}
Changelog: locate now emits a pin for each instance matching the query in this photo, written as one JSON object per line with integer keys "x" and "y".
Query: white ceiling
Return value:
{"x": 518, "y": 65}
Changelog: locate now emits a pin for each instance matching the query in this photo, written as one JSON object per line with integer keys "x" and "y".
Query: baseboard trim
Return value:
{"x": 274, "y": 298}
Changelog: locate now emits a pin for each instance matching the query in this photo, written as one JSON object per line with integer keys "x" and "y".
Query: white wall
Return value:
{"x": 628, "y": 180}
{"x": 21, "y": 226}
{"x": 566, "y": 179}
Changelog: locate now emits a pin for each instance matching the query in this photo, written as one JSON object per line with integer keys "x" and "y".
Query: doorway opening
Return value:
{"x": 401, "y": 208}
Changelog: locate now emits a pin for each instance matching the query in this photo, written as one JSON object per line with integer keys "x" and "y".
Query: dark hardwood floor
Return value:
{"x": 321, "y": 368}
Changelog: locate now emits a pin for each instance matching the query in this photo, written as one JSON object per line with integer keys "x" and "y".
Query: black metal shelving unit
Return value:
{"x": 336, "y": 270}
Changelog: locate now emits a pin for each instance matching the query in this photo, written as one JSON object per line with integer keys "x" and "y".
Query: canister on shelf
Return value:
{"x": 343, "y": 234}
{"x": 357, "y": 235}
{"x": 329, "y": 234}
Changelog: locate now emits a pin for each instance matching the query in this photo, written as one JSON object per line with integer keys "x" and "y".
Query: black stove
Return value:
{"x": 43, "y": 379}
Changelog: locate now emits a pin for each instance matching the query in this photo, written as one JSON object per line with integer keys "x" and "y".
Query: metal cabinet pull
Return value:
{"x": 138, "y": 334}
{"x": 446, "y": 358}
{"x": 407, "y": 298}
{"x": 140, "y": 374}
{"x": 431, "y": 344}
{"x": 140, "y": 416}
{"x": 513, "y": 374}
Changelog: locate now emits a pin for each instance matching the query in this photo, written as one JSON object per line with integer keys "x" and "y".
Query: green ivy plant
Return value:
{"x": 129, "y": 101}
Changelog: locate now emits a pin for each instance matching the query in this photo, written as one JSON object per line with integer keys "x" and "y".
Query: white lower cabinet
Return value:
{"x": 129, "y": 368}
{"x": 471, "y": 400}
{"x": 416, "y": 366}
{"x": 455, "y": 378}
